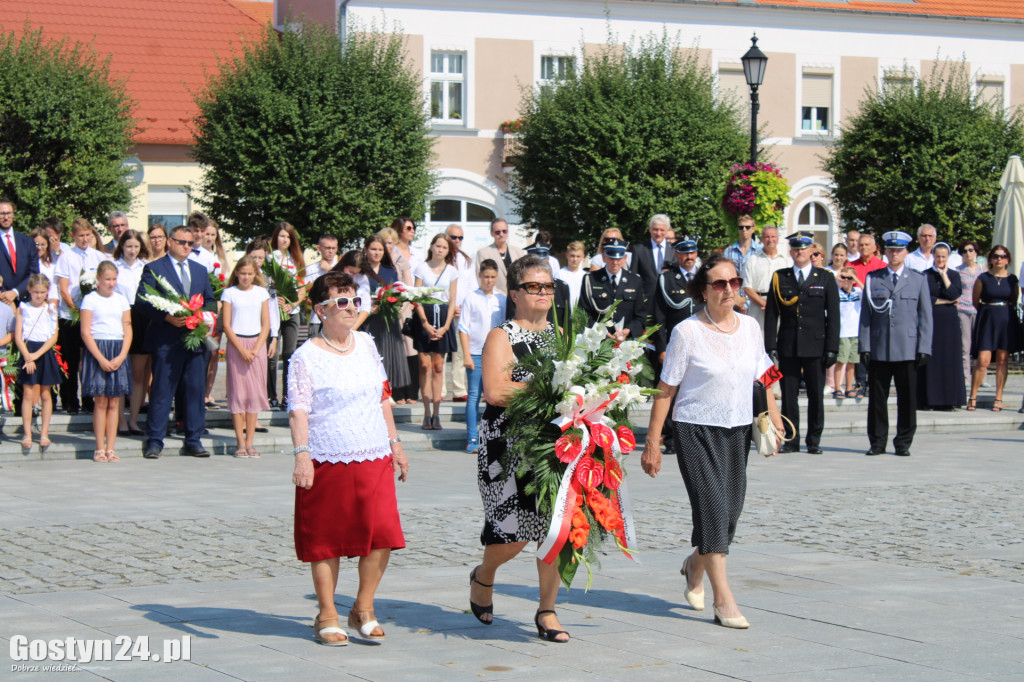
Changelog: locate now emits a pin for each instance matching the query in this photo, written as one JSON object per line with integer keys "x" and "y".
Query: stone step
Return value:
{"x": 79, "y": 444}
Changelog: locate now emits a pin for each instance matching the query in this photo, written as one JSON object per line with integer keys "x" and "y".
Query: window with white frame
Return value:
{"x": 556, "y": 67}
{"x": 816, "y": 103}
{"x": 990, "y": 89}
{"x": 448, "y": 87}
{"x": 898, "y": 78}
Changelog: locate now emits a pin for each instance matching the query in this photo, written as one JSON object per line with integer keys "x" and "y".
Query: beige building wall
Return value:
{"x": 504, "y": 67}
{"x": 858, "y": 73}
{"x": 1017, "y": 85}
{"x": 778, "y": 114}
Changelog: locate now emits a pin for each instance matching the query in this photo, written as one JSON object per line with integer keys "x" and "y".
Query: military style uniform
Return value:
{"x": 672, "y": 304}
{"x": 896, "y": 329}
{"x": 597, "y": 294}
{"x": 806, "y": 318}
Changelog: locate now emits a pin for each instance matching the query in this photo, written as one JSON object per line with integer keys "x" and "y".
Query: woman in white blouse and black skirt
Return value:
{"x": 713, "y": 359}
{"x": 345, "y": 502}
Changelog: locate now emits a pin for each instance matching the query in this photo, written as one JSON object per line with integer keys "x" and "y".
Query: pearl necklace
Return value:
{"x": 347, "y": 348}
{"x": 735, "y": 322}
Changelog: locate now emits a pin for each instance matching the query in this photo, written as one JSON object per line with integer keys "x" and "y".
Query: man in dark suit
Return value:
{"x": 895, "y": 339}
{"x": 801, "y": 333}
{"x": 602, "y": 288}
{"x": 672, "y": 304}
{"x": 173, "y": 364}
{"x": 651, "y": 256}
{"x": 19, "y": 259}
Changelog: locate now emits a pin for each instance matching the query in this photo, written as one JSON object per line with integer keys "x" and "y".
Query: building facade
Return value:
{"x": 824, "y": 57}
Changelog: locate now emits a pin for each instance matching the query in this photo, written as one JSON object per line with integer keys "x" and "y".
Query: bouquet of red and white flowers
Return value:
{"x": 583, "y": 388}
{"x": 390, "y": 299}
{"x": 218, "y": 282}
{"x": 199, "y": 322}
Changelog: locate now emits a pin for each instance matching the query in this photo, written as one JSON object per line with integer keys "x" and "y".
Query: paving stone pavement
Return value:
{"x": 849, "y": 567}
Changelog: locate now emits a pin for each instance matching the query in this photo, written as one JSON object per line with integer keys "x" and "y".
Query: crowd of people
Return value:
{"x": 101, "y": 326}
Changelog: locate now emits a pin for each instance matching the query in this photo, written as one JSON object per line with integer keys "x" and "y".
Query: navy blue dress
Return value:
{"x": 940, "y": 383}
{"x": 996, "y": 326}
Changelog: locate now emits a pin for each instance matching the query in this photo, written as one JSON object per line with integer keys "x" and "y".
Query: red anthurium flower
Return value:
{"x": 568, "y": 447}
{"x": 589, "y": 473}
{"x": 392, "y": 299}
{"x": 612, "y": 473}
{"x": 627, "y": 441}
{"x": 193, "y": 321}
{"x": 602, "y": 435}
{"x": 195, "y": 303}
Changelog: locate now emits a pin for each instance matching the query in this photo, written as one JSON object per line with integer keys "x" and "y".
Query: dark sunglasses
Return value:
{"x": 500, "y": 232}
{"x": 969, "y": 249}
{"x": 1001, "y": 255}
{"x": 183, "y": 242}
{"x": 815, "y": 255}
{"x": 746, "y": 227}
{"x": 846, "y": 278}
{"x": 538, "y": 288}
{"x": 456, "y": 239}
{"x": 343, "y": 302}
{"x": 721, "y": 284}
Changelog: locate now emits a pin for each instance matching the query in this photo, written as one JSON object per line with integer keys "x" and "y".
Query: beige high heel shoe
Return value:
{"x": 737, "y": 622}
{"x": 694, "y": 599}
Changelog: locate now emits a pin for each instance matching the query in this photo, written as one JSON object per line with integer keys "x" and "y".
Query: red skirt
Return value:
{"x": 350, "y": 510}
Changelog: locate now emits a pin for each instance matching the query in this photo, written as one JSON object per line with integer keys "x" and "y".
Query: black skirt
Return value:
{"x": 47, "y": 372}
{"x": 713, "y": 461}
{"x": 139, "y": 326}
{"x": 436, "y": 316}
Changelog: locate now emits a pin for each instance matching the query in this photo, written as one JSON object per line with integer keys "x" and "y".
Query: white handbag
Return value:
{"x": 766, "y": 436}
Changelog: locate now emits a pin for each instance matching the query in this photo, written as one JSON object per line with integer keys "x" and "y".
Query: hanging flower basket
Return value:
{"x": 758, "y": 190}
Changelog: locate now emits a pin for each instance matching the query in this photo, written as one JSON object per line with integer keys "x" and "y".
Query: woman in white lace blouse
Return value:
{"x": 711, "y": 364}
{"x": 347, "y": 454}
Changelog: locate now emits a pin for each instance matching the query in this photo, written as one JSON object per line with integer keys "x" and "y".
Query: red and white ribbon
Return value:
{"x": 584, "y": 418}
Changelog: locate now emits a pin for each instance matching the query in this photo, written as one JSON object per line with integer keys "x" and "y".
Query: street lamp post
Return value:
{"x": 754, "y": 64}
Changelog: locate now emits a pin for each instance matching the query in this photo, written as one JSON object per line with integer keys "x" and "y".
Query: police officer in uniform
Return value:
{"x": 602, "y": 288}
{"x": 802, "y": 335}
{"x": 672, "y": 304}
{"x": 895, "y": 339}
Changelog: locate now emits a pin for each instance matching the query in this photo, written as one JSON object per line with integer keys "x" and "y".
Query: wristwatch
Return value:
{"x": 396, "y": 439}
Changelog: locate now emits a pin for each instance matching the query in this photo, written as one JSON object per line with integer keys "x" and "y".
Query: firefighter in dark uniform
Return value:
{"x": 803, "y": 305}
{"x": 602, "y": 288}
{"x": 672, "y": 304}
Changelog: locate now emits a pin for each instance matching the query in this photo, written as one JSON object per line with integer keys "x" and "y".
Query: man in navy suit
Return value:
{"x": 173, "y": 364}
{"x": 652, "y": 256}
{"x": 19, "y": 259}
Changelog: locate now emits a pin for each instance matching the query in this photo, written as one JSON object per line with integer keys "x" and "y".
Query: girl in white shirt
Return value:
{"x": 245, "y": 316}
{"x": 286, "y": 250}
{"x": 35, "y": 334}
{"x": 107, "y": 335}
{"x": 130, "y": 257}
{"x": 434, "y": 337}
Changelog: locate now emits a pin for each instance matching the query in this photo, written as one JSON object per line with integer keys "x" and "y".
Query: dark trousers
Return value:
{"x": 69, "y": 338}
{"x": 286, "y": 340}
{"x": 880, "y": 375}
{"x": 813, "y": 370}
{"x": 175, "y": 368}
{"x": 861, "y": 373}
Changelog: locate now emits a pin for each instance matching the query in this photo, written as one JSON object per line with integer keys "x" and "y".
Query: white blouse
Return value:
{"x": 128, "y": 278}
{"x": 37, "y": 324}
{"x": 342, "y": 396}
{"x": 715, "y": 372}
{"x": 432, "y": 279}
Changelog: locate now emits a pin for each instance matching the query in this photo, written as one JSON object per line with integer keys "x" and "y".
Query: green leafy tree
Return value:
{"x": 927, "y": 152}
{"x": 635, "y": 131}
{"x": 329, "y": 137}
{"x": 65, "y": 128}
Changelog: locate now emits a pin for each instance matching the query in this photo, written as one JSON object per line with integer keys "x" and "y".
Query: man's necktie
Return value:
{"x": 14, "y": 254}
{"x": 186, "y": 281}
{"x": 895, "y": 278}
{"x": 800, "y": 277}
{"x": 658, "y": 259}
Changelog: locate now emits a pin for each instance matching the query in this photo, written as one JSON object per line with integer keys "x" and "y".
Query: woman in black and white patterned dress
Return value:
{"x": 511, "y": 518}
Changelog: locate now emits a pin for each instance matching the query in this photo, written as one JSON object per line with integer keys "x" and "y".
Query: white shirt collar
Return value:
{"x": 806, "y": 270}
{"x": 898, "y": 273}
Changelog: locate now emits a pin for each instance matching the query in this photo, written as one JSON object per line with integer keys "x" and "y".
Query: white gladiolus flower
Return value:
{"x": 629, "y": 394}
{"x": 631, "y": 349}
{"x": 592, "y": 338}
{"x": 565, "y": 372}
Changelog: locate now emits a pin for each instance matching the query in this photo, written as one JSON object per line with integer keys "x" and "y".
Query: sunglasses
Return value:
{"x": 456, "y": 239}
{"x": 720, "y": 284}
{"x": 1001, "y": 255}
{"x": 746, "y": 227}
{"x": 969, "y": 249}
{"x": 816, "y": 255}
{"x": 343, "y": 302}
{"x": 846, "y": 278}
{"x": 183, "y": 242}
{"x": 500, "y": 232}
{"x": 538, "y": 288}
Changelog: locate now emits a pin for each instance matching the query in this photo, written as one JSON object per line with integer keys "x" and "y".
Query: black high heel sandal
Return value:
{"x": 478, "y": 610}
{"x": 544, "y": 633}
